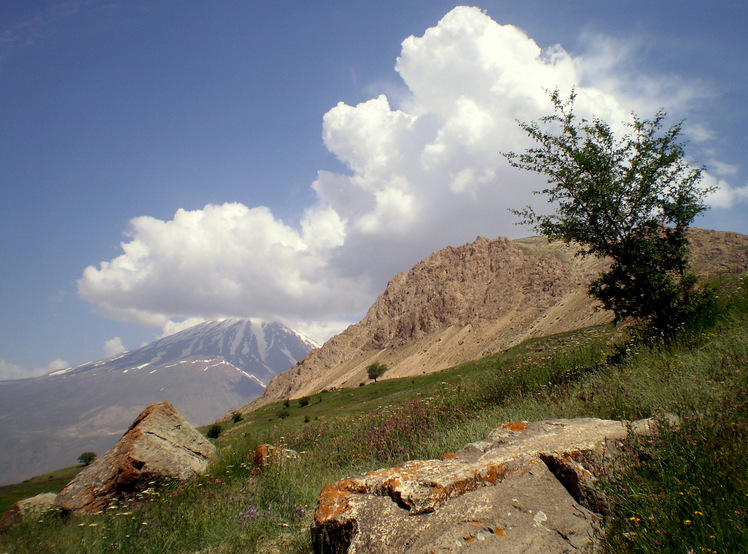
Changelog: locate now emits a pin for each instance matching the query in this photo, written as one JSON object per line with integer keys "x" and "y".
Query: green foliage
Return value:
{"x": 683, "y": 488}
{"x": 236, "y": 416}
{"x": 214, "y": 431}
{"x": 630, "y": 200}
{"x": 376, "y": 370}
{"x": 286, "y": 403}
{"x": 86, "y": 458}
{"x": 303, "y": 401}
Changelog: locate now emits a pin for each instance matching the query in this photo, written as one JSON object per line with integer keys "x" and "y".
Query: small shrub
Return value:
{"x": 236, "y": 416}
{"x": 283, "y": 414}
{"x": 286, "y": 403}
{"x": 214, "y": 431}
{"x": 86, "y": 458}
{"x": 304, "y": 401}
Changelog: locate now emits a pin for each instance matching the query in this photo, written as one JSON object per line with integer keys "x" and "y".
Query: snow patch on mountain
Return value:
{"x": 258, "y": 331}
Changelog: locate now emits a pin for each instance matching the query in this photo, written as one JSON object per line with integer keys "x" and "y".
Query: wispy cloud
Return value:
{"x": 30, "y": 30}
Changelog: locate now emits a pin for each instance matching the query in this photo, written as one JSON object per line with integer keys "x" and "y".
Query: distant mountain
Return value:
{"x": 470, "y": 301}
{"x": 46, "y": 422}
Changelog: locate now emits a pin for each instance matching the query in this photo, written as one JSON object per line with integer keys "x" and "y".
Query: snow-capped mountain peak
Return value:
{"x": 204, "y": 371}
{"x": 260, "y": 349}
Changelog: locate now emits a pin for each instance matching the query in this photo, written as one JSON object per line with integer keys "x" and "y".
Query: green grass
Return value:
{"x": 682, "y": 489}
{"x": 49, "y": 482}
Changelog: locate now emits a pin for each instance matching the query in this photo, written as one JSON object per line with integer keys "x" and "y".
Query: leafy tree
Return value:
{"x": 236, "y": 416}
{"x": 630, "y": 200}
{"x": 376, "y": 370}
{"x": 86, "y": 458}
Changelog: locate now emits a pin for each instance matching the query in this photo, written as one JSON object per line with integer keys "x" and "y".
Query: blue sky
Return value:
{"x": 166, "y": 162}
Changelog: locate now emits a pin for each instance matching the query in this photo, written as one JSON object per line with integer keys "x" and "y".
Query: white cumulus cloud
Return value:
{"x": 56, "y": 365}
{"x": 724, "y": 194}
{"x": 226, "y": 260}
{"x": 113, "y": 346}
{"x": 13, "y": 371}
{"x": 419, "y": 175}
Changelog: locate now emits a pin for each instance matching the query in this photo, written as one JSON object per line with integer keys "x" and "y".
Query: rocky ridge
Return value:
{"x": 470, "y": 301}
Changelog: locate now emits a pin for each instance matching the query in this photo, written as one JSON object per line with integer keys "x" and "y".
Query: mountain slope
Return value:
{"x": 48, "y": 421}
{"x": 463, "y": 303}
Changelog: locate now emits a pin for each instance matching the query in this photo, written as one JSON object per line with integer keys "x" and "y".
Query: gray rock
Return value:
{"x": 529, "y": 487}
{"x": 29, "y": 507}
{"x": 159, "y": 445}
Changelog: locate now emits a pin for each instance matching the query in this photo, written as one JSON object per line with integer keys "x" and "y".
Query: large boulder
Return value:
{"x": 159, "y": 445}
{"x": 27, "y": 508}
{"x": 529, "y": 487}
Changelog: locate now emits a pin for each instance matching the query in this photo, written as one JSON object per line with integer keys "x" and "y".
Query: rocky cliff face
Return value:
{"x": 463, "y": 303}
{"x": 458, "y": 304}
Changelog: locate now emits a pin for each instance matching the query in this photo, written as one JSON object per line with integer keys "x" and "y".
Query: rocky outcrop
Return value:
{"x": 457, "y": 305}
{"x": 529, "y": 487}
{"x": 27, "y": 508}
{"x": 464, "y": 303}
{"x": 160, "y": 444}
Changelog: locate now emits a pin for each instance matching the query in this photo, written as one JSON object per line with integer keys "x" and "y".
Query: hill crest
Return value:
{"x": 465, "y": 302}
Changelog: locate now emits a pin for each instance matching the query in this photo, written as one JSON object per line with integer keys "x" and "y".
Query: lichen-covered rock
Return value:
{"x": 29, "y": 507}
{"x": 529, "y": 487}
{"x": 160, "y": 444}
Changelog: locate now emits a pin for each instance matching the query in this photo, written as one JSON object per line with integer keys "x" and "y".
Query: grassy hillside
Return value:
{"x": 681, "y": 490}
{"x": 49, "y": 482}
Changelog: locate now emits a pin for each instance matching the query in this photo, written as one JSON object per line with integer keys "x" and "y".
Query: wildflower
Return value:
{"x": 698, "y": 513}
{"x": 686, "y": 522}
